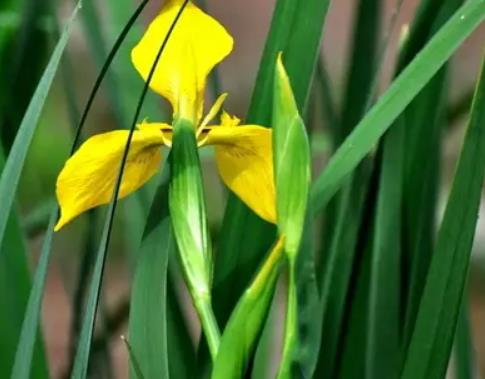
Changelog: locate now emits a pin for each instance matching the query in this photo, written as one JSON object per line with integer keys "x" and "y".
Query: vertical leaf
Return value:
{"x": 429, "y": 349}
{"x": 25, "y": 349}
{"x": 464, "y": 352}
{"x": 148, "y": 314}
{"x": 13, "y": 167}
{"x": 14, "y": 273}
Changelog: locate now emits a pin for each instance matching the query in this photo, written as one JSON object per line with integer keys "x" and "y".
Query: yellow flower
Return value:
{"x": 243, "y": 152}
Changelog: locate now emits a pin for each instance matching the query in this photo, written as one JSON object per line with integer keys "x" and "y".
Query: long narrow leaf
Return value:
{"x": 25, "y": 349}
{"x": 430, "y": 346}
{"x": 14, "y": 273}
{"x": 16, "y": 159}
{"x": 148, "y": 315}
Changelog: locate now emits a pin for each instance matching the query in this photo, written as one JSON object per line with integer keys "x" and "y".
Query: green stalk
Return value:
{"x": 291, "y": 325}
{"x": 209, "y": 323}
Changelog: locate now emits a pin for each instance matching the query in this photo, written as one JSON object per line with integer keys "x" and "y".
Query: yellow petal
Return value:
{"x": 197, "y": 44}
{"x": 89, "y": 176}
{"x": 245, "y": 161}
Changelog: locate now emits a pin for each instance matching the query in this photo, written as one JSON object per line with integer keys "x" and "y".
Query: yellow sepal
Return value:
{"x": 244, "y": 158}
{"x": 89, "y": 176}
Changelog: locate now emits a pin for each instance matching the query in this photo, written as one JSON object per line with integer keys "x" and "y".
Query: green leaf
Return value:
{"x": 429, "y": 349}
{"x": 423, "y": 126}
{"x": 11, "y": 174}
{"x": 247, "y": 320}
{"x": 335, "y": 278}
{"x": 406, "y": 86}
{"x": 382, "y": 354}
{"x": 14, "y": 273}
{"x": 25, "y": 349}
{"x": 464, "y": 352}
{"x": 181, "y": 349}
{"x": 148, "y": 315}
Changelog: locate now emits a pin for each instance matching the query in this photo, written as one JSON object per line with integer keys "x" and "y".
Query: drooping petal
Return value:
{"x": 89, "y": 176}
{"x": 197, "y": 44}
{"x": 245, "y": 161}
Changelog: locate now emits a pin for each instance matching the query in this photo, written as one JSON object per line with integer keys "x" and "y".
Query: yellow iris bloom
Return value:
{"x": 243, "y": 152}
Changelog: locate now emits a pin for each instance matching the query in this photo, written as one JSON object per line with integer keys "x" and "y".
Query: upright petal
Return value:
{"x": 197, "y": 44}
{"x": 245, "y": 161}
{"x": 89, "y": 176}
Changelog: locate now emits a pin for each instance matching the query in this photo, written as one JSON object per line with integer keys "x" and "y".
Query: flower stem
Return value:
{"x": 291, "y": 325}
{"x": 208, "y": 323}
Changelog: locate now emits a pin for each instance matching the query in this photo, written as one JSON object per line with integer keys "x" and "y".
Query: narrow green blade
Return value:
{"x": 11, "y": 174}
{"x": 463, "y": 350}
{"x": 148, "y": 315}
{"x": 429, "y": 349}
{"x": 14, "y": 273}
{"x": 407, "y": 85}
{"x": 423, "y": 126}
{"x": 25, "y": 349}
{"x": 382, "y": 350}
{"x": 345, "y": 215}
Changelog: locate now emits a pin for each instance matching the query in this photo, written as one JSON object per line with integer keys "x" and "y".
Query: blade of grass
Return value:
{"x": 334, "y": 282}
{"x": 14, "y": 273}
{"x": 348, "y": 208}
{"x": 181, "y": 350}
{"x": 406, "y": 86}
{"x": 429, "y": 349}
{"x": 84, "y": 346}
{"x": 464, "y": 352}
{"x": 11, "y": 174}
{"x": 148, "y": 315}
{"x": 138, "y": 374}
{"x": 382, "y": 350}
{"x": 25, "y": 349}
{"x": 423, "y": 124}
